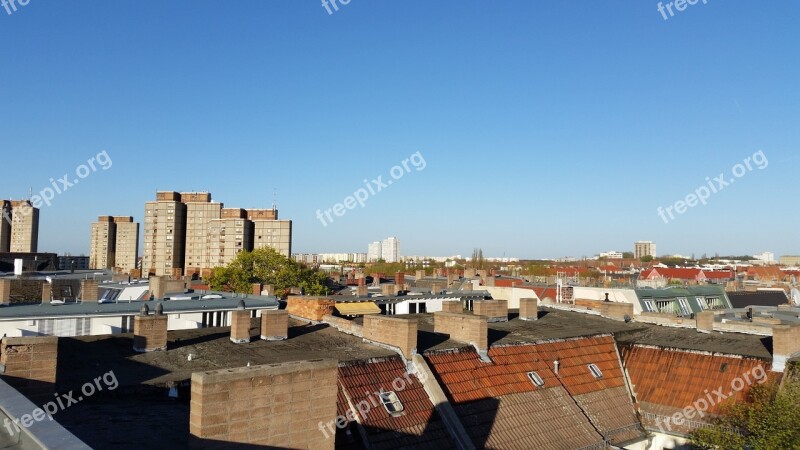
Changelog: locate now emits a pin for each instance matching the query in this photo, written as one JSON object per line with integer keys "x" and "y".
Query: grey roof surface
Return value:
{"x": 133, "y": 307}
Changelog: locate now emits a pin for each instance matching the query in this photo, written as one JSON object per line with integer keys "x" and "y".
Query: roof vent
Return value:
{"x": 555, "y": 366}
{"x": 145, "y": 311}
{"x": 607, "y": 300}
{"x": 241, "y": 306}
{"x": 536, "y": 379}
{"x": 596, "y": 372}
{"x": 159, "y": 309}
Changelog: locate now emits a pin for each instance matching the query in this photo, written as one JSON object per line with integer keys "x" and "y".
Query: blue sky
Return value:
{"x": 548, "y": 128}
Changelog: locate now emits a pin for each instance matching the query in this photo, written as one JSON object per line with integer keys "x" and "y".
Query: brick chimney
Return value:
{"x": 493, "y": 310}
{"x": 389, "y": 289}
{"x": 257, "y": 288}
{"x": 362, "y": 291}
{"x": 529, "y": 309}
{"x": 468, "y": 328}
{"x": 29, "y": 364}
{"x": 47, "y": 291}
{"x": 274, "y": 325}
{"x": 452, "y": 306}
{"x": 361, "y": 282}
{"x": 400, "y": 278}
{"x": 420, "y": 274}
{"x": 149, "y": 331}
{"x": 228, "y": 406}
{"x": 785, "y": 345}
{"x": 395, "y": 332}
{"x": 5, "y": 292}
{"x": 705, "y": 322}
{"x": 89, "y": 291}
{"x": 240, "y": 324}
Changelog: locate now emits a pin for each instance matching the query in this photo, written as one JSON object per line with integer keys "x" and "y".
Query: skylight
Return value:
{"x": 596, "y": 372}
{"x": 535, "y": 379}
{"x": 392, "y": 404}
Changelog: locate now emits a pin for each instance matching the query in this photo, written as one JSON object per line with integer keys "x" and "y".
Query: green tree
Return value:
{"x": 627, "y": 255}
{"x": 267, "y": 266}
{"x": 646, "y": 258}
{"x": 766, "y": 420}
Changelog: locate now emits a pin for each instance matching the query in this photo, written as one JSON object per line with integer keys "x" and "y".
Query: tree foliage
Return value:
{"x": 267, "y": 266}
{"x": 478, "y": 261}
{"x": 766, "y": 420}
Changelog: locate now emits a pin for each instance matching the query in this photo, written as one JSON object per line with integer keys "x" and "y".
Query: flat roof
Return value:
{"x": 46, "y": 310}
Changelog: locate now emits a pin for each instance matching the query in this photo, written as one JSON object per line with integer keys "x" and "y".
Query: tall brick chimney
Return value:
{"x": 149, "y": 331}
{"x": 785, "y": 345}
{"x": 240, "y": 324}
{"x": 468, "y": 328}
{"x": 89, "y": 291}
{"x": 271, "y": 406}
{"x": 395, "y": 332}
{"x": 400, "y": 279}
{"x": 274, "y": 325}
{"x": 529, "y": 309}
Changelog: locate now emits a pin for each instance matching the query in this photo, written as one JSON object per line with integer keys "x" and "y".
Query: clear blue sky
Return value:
{"x": 549, "y": 128}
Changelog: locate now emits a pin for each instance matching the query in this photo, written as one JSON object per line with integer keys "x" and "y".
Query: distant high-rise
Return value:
{"x": 375, "y": 251}
{"x": 5, "y": 226}
{"x": 24, "y": 227}
{"x": 164, "y": 234}
{"x": 188, "y": 233}
{"x": 126, "y": 250}
{"x": 644, "y": 248}
{"x": 268, "y": 231}
{"x": 103, "y": 243}
{"x": 390, "y": 250}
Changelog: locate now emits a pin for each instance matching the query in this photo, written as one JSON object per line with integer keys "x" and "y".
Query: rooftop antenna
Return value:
{"x": 274, "y": 198}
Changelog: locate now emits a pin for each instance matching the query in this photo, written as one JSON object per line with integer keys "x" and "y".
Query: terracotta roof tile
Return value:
{"x": 678, "y": 379}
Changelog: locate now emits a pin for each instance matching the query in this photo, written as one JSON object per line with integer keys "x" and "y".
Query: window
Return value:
{"x": 596, "y": 372}
{"x": 702, "y": 302}
{"x": 684, "y": 305}
{"x": 648, "y": 305}
{"x": 535, "y": 379}
{"x": 392, "y": 404}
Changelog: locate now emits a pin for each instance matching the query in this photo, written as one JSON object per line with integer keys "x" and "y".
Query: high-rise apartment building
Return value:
{"x": 164, "y": 234}
{"x": 228, "y": 236}
{"x": 375, "y": 251}
{"x": 644, "y": 248}
{"x": 268, "y": 231}
{"x": 390, "y": 250}
{"x": 200, "y": 211}
{"x": 24, "y": 227}
{"x": 126, "y": 252}
{"x": 5, "y": 226}
{"x": 188, "y": 233}
{"x": 103, "y": 243}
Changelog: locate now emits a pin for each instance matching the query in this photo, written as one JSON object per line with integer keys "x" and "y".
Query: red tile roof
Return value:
{"x": 419, "y": 426}
{"x": 724, "y": 275}
{"x": 605, "y": 401}
{"x": 677, "y": 379}
{"x": 672, "y": 274}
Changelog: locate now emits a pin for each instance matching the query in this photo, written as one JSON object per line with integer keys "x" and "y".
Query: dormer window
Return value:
{"x": 392, "y": 404}
{"x": 536, "y": 379}
{"x": 596, "y": 372}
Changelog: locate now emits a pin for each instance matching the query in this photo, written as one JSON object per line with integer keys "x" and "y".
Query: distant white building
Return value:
{"x": 766, "y": 257}
{"x": 390, "y": 250}
{"x": 611, "y": 255}
{"x": 644, "y": 248}
{"x": 375, "y": 251}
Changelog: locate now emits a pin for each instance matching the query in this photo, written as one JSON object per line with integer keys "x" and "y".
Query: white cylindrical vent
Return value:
{"x": 18, "y": 267}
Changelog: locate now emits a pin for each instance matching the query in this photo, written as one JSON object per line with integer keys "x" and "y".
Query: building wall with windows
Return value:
{"x": 102, "y": 243}
{"x": 164, "y": 234}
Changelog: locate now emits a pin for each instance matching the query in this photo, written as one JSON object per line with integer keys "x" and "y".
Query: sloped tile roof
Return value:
{"x": 419, "y": 426}
{"x": 677, "y": 379}
{"x": 545, "y": 419}
{"x": 473, "y": 384}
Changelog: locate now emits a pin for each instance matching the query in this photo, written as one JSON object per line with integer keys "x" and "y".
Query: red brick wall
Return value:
{"x": 311, "y": 308}
{"x": 273, "y": 406}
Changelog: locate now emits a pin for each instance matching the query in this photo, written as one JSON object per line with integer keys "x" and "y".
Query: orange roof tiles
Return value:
{"x": 678, "y": 379}
{"x": 419, "y": 425}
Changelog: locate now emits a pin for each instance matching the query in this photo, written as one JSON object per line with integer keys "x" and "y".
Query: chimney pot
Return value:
{"x": 159, "y": 309}
{"x": 145, "y": 311}
{"x": 241, "y": 306}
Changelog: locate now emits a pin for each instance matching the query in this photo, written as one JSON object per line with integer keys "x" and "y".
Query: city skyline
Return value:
{"x": 565, "y": 153}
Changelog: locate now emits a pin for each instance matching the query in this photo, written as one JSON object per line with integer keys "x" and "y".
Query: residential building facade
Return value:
{"x": 164, "y": 234}
{"x": 644, "y": 248}
{"x": 126, "y": 251}
{"x": 24, "y": 236}
{"x": 102, "y": 244}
